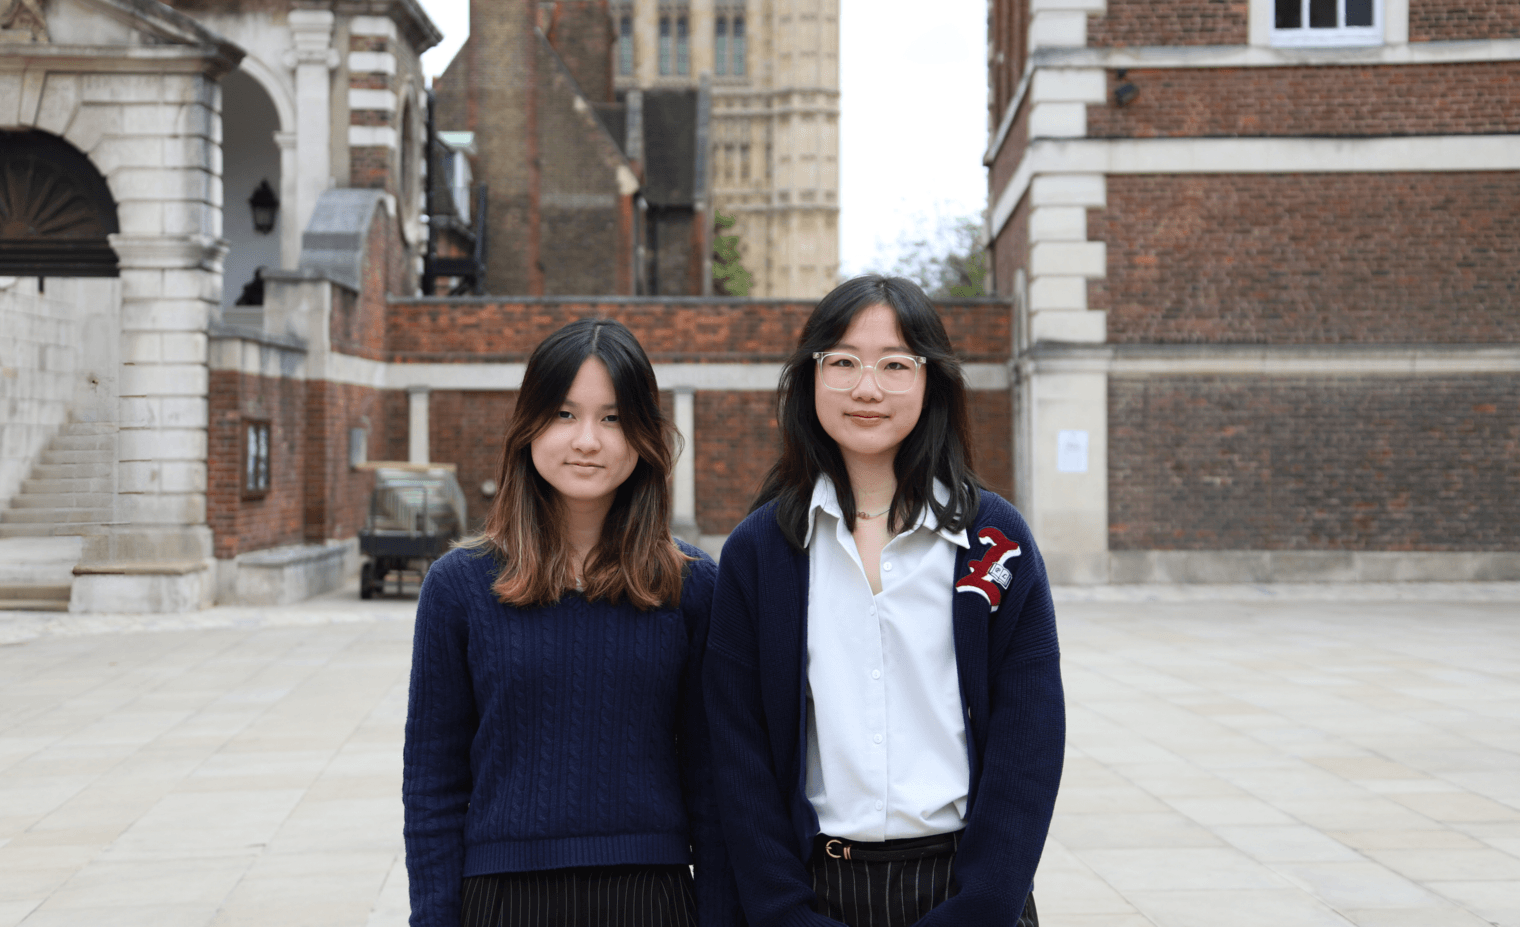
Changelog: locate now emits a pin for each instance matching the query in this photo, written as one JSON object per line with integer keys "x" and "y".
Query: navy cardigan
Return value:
{"x": 569, "y": 735}
{"x": 1007, "y": 658}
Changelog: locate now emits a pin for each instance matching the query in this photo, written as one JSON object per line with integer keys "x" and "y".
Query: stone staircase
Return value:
{"x": 71, "y": 488}
{"x": 68, "y": 496}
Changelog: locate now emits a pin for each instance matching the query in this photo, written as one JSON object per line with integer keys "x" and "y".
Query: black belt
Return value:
{"x": 895, "y": 850}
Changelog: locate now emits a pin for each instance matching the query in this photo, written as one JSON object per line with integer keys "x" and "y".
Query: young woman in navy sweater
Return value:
{"x": 556, "y": 761}
{"x": 882, "y": 672}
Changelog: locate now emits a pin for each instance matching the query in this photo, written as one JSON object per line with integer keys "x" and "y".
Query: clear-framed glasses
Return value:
{"x": 895, "y": 373}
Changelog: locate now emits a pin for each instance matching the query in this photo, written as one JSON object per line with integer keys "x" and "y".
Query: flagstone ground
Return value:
{"x": 1315, "y": 755}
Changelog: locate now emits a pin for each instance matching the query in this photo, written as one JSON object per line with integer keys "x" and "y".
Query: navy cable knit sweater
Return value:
{"x": 570, "y": 735}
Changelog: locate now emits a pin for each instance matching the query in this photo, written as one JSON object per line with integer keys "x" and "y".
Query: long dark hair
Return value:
{"x": 635, "y": 556}
{"x": 939, "y": 445}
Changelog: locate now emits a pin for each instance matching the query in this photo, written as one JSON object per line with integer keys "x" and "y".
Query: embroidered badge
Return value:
{"x": 988, "y": 577}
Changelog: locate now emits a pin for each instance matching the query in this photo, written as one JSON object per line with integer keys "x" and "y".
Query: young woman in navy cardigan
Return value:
{"x": 556, "y": 763}
{"x": 882, "y": 674}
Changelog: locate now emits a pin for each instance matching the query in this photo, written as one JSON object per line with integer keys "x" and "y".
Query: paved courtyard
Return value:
{"x": 1288, "y": 755}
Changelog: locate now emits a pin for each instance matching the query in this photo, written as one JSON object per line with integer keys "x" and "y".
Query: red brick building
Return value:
{"x": 1265, "y": 256}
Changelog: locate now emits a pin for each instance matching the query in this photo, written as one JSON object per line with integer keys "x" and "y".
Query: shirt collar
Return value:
{"x": 826, "y": 499}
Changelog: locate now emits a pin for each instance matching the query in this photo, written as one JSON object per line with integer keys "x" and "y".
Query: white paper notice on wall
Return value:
{"x": 1071, "y": 451}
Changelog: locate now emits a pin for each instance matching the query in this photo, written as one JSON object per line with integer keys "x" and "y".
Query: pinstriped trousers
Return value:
{"x": 622, "y": 895}
{"x": 867, "y": 890}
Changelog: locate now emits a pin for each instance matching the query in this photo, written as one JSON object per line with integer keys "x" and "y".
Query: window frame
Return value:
{"x": 262, "y": 452}
{"x": 1306, "y": 36}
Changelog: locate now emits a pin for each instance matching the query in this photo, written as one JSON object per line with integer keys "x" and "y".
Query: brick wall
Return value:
{"x": 1010, "y": 251}
{"x": 1173, "y": 22}
{"x": 1011, "y": 152}
{"x": 1449, "y": 20}
{"x": 337, "y": 496}
{"x": 1008, "y": 31}
{"x": 239, "y": 524}
{"x": 687, "y": 330}
{"x": 357, "y": 324}
{"x": 1474, "y": 97}
{"x": 1354, "y": 463}
{"x": 581, "y": 32}
{"x": 466, "y": 429}
{"x": 1383, "y": 258}
{"x": 583, "y": 245}
{"x": 737, "y": 442}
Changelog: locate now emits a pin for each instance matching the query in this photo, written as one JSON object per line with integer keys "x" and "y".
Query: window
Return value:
{"x": 720, "y": 46}
{"x": 625, "y": 45}
{"x": 664, "y": 44}
{"x": 255, "y": 458}
{"x": 683, "y": 47}
{"x": 738, "y": 66}
{"x": 1327, "y": 22}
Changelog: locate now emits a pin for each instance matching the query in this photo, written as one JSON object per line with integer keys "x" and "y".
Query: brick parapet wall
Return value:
{"x": 1456, "y": 20}
{"x": 475, "y": 330}
{"x": 1440, "y": 99}
{"x": 1174, "y": 22}
{"x": 1315, "y": 463}
{"x": 238, "y": 524}
{"x": 1311, "y": 258}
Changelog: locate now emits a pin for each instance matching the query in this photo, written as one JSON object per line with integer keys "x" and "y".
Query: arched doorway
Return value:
{"x": 55, "y": 210}
{"x": 250, "y": 173}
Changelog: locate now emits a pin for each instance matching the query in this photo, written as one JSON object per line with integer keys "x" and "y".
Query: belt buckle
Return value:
{"x": 842, "y": 854}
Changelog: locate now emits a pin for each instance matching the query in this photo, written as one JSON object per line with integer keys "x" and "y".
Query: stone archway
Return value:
{"x": 55, "y": 210}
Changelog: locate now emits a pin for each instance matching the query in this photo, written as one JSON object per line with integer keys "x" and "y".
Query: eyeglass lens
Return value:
{"x": 895, "y": 374}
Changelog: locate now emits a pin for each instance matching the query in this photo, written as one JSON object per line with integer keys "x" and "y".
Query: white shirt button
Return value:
{"x": 876, "y": 675}
{"x": 878, "y": 739}
{"x": 886, "y": 565}
{"x": 873, "y": 610}
{"x": 879, "y": 805}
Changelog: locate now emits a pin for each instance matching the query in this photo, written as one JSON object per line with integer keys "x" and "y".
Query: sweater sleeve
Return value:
{"x": 774, "y": 885}
{"x": 441, "y": 722}
{"x": 1021, "y": 766}
{"x": 717, "y": 895}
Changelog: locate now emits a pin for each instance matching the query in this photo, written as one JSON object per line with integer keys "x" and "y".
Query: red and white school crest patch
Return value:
{"x": 989, "y": 577}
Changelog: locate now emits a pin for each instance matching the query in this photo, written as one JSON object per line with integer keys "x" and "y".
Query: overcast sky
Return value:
{"x": 913, "y": 121}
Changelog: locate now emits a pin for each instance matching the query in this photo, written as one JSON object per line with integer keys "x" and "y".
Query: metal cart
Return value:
{"x": 415, "y": 513}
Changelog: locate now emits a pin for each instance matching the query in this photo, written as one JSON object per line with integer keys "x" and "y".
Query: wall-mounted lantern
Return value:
{"x": 265, "y": 206}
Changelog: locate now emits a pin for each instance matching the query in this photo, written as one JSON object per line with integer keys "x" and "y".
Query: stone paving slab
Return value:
{"x": 1321, "y": 754}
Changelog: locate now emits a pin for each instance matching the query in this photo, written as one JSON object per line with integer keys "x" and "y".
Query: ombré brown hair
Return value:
{"x": 635, "y": 557}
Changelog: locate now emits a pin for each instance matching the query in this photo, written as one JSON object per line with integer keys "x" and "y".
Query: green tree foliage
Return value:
{"x": 727, "y": 272}
{"x": 950, "y": 262}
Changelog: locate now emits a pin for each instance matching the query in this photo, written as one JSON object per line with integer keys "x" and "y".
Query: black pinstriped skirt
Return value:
{"x": 623, "y": 895}
{"x": 887, "y": 883}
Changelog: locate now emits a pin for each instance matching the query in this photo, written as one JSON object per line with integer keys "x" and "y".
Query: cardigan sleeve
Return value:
{"x": 717, "y": 895}
{"x": 441, "y": 722}
{"x": 774, "y": 885}
{"x": 1021, "y": 764}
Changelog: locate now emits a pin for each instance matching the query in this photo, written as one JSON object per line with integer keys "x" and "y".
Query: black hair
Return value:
{"x": 635, "y": 557}
{"x": 938, "y": 447}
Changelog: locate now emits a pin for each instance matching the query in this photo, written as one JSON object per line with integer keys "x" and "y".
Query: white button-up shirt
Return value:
{"x": 886, "y": 741}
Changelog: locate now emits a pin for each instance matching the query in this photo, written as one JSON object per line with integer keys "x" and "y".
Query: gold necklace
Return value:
{"x": 873, "y": 515}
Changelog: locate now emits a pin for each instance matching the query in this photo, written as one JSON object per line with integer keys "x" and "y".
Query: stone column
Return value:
{"x": 312, "y": 57}
{"x": 683, "y": 513}
{"x": 417, "y": 425}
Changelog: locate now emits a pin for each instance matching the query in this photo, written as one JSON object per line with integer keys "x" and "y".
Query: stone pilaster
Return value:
{"x": 312, "y": 57}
